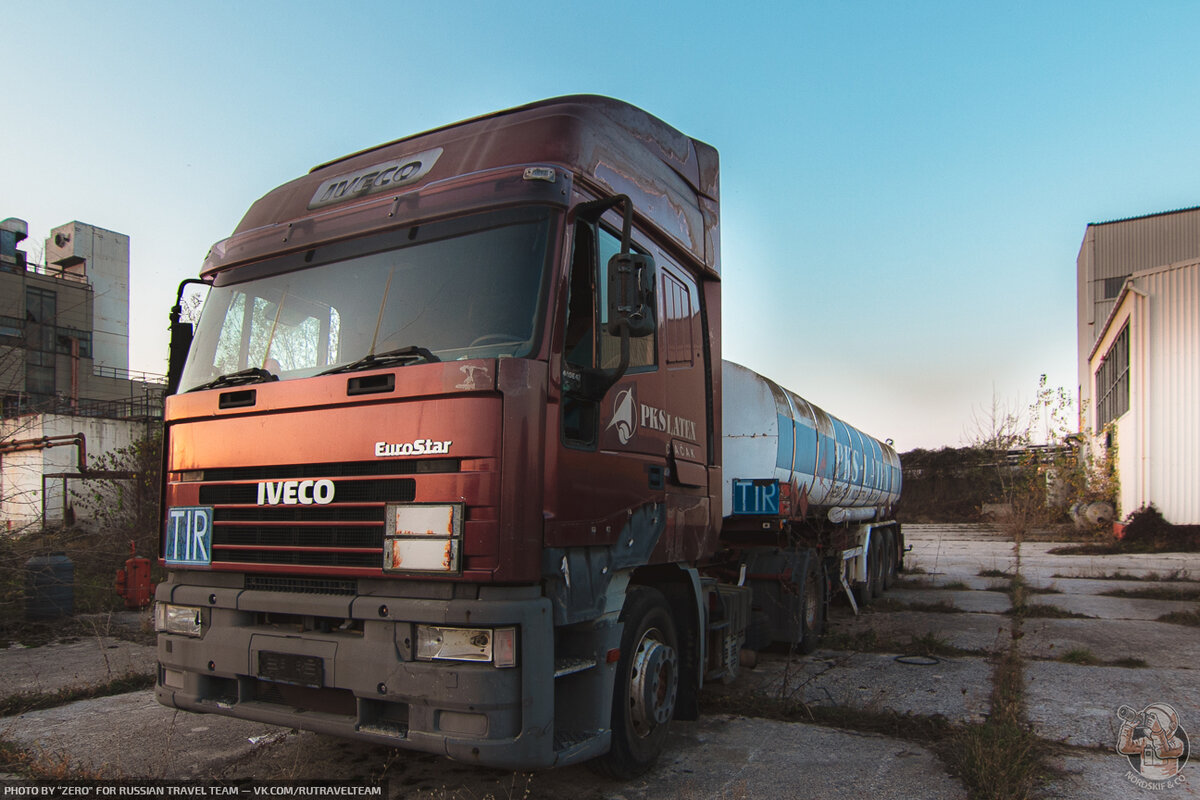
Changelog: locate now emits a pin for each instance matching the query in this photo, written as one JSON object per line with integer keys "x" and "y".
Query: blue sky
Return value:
{"x": 904, "y": 185}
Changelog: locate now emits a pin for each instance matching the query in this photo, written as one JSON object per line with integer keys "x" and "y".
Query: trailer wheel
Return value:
{"x": 812, "y": 615}
{"x": 647, "y": 685}
{"x": 889, "y": 559}
{"x": 875, "y": 566}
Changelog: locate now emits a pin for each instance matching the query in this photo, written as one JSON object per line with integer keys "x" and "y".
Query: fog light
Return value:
{"x": 453, "y": 644}
{"x": 435, "y": 642}
{"x": 504, "y": 651}
{"x": 183, "y": 620}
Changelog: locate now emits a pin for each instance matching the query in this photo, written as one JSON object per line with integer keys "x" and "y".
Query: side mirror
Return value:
{"x": 182, "y": 334}
{"x": 181, "y": 341}
{"x": 631, "y": 294}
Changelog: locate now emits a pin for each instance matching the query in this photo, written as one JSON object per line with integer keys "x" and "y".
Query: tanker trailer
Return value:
{"x": 807, "y": 502}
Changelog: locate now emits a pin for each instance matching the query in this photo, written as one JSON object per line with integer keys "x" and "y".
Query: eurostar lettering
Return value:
{"x": 295, "y": 493}
{"x": 658, "y": 420}
{"x": 419, "y": 447}
{"x": 384, "y": 177}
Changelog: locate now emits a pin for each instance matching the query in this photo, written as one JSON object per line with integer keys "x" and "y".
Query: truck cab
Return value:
{"x": 444, "y": 455}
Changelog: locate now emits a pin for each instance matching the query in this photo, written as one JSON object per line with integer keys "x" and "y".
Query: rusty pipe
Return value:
{"x": 46, "y": 442}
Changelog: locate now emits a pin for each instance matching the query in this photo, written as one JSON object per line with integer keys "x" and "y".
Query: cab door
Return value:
{"x": 611, "y": 458}
{"x": 687, "y": 409}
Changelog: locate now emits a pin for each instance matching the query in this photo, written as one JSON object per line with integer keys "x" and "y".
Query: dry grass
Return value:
{"x": 1189, "y": 618}
{"x": 1040, "y": 611}
{"x": 1177, "y": 575}
{"x": 1179, "y": 593}
{"x": 33, "y": 701}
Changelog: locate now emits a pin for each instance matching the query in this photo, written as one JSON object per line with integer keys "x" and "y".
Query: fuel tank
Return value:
{"x": 835, "y": 470}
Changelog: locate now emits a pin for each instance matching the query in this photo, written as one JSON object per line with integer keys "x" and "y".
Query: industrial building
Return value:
{"x": 66, "y": 392}
{"x": 1139, "y": 357}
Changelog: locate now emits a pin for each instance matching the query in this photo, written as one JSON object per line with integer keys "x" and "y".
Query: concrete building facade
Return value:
{"x": 1139, "y": 357}
{"x": 66, "y": 392}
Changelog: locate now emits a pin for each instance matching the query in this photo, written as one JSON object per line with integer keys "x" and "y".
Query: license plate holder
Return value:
{"x": 293, "y": 668}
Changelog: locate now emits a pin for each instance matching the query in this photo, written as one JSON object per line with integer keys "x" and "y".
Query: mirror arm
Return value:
{"x": 594, "y": 209}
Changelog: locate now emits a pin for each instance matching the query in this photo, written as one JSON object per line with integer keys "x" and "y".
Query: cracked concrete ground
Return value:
{"x": 1071, "y": 706}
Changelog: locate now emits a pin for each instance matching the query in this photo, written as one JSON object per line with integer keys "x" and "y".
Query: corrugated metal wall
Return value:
{"x": 1158, "y": 438}
{"x": 1113, "y": 250}
{"x": 1123, "y": 248}
{"x": 1171, "y": 392}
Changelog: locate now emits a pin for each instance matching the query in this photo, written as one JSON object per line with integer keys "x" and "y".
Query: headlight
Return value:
{"x": 496, "y": 645}
{"x": 423, "y": 537}
{"x": 184, "y": 620}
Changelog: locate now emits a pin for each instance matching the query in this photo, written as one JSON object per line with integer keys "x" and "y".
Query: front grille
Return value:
{"x": 273, "y": 583}
{"x": 348, "y": 469}
{"x": 346, "y": 532}
{"x": 300, "y": 536}
{"x": 303, "y": 558}
{"x": 301, "y": 514}
{"x": 395, "y": 490}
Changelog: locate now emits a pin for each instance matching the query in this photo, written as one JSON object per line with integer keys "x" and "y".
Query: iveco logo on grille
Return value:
{"x": 295, "y": 493}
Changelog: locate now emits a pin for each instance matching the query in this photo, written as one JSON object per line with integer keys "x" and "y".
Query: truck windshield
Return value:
{"x": 459, "y": 289}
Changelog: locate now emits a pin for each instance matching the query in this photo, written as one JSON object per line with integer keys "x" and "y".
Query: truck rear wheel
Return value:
{"x": 875, "y": 568}
{"x": 647, "y": 685}
{"x": 812, "y": 615}
{"x": 889, "y": 559}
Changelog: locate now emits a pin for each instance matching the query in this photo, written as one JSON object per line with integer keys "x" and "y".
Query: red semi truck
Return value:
{"x": 452, "y": 461}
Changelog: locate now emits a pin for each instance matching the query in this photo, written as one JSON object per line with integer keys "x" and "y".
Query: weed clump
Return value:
{"x": 1189, "y": 618}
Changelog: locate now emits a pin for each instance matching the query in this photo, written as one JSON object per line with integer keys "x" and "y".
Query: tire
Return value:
{"x": 875, "y": 566}
{"x": 889, "y": 559}
{"x": 812, "y": 612}
{"x": 647, "y": 686}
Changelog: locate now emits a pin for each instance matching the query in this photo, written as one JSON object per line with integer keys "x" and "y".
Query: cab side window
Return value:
{"x": 587, "y": 344}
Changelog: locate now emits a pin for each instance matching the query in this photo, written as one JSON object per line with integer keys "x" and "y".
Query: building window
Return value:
{"x": 1112, "y": 381}
{"x": 12, "y": 328}
{"x": 39, "y": 373}
{"x": 64, "y": 337}
{"x": 40, "y": 305}
{"x": 1112, "y": 286}
{"x": 41, "y": 310}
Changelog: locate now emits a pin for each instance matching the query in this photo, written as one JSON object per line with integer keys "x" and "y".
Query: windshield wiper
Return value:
{"x": 411, "y": 354}
{"x": 252, "y": 375}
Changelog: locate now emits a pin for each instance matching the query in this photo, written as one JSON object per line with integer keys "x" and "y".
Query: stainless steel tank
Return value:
{"x": 772, "y": 433}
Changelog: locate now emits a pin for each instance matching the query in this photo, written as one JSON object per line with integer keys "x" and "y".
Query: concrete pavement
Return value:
{"x": 1071, "y": 706}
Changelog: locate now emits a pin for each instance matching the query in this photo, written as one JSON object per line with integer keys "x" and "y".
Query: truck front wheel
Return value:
{"x": 647, "y": 684}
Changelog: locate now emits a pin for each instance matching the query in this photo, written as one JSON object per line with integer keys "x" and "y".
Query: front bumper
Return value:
{"x": 368, "y": 685}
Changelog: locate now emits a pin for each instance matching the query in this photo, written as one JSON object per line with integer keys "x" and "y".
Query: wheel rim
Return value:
{"x": 653, "y": 681}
